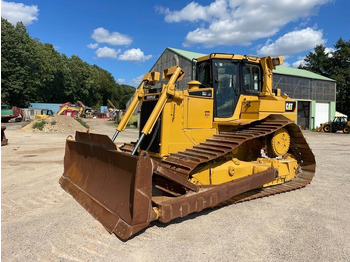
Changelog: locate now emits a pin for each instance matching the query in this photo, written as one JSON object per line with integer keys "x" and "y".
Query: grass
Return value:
{"x": 53, "y": 122}
{"x": 39, "y": 125}
{"x": 84, "y": 124}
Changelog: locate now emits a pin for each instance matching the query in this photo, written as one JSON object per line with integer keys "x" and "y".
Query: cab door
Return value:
{"x": 226, "y": 87}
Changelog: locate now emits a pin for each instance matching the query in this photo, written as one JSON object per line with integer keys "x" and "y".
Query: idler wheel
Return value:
{"x": 278, "y": 144}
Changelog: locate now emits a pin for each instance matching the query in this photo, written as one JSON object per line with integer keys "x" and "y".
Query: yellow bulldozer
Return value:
{"x": 228, "y": 138}
{"x": 44, "y": 113}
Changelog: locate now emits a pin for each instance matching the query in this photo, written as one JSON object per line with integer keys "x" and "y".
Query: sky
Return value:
{"x": 127, "y": 37}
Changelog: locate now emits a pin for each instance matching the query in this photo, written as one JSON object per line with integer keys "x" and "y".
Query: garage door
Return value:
{"x": 322, "y": 113}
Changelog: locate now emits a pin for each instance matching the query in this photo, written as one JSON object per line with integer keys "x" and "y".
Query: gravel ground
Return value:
{"x": 41, "y": 222}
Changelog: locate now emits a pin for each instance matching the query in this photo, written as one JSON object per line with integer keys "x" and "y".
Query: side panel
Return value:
{"x": 199, "y": 113}
{"x": 186, "y": 123}
{"x": 172, "y": 137}
{"x": 256, "y": 108}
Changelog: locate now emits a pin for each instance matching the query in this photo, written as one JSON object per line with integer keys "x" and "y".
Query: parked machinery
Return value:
{"x": 79, "y": 110}
{"x": 229, "y": 138}
{"x": 44, "y": 113}
{"x": 8, "y": 113}
{"x": 339, "y": 123}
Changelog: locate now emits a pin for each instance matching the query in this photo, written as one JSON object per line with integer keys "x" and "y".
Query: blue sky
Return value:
{"x": 127, "y": 37}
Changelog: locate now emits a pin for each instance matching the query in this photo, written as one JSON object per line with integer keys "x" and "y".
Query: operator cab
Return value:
{"x": 47, "y": 112}
{"x": 229, "y": 77}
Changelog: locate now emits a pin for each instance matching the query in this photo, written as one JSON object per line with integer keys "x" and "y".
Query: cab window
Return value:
{"x": 203, "y": 74}
{"x": 251, "y": 79}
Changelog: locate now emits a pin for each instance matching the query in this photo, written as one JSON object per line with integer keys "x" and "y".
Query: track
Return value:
{"x": 184, "y": 163}
{"x": 183, "y": 197}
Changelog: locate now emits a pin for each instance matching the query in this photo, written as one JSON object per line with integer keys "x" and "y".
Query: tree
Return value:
{"x": 18, "y": 69}
{"x": 318, "y": 61}
{"x": 335, "y": 65}
{"x": 340, "y": 71}
{"x": 32, "y": 71}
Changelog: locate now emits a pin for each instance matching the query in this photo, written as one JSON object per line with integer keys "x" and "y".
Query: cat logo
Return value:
{"x": 291, "y": 106}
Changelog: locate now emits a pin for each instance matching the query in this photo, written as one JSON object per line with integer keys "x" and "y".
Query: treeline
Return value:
{"x": 335, "y": 65}
{"x": 32, "y": 71}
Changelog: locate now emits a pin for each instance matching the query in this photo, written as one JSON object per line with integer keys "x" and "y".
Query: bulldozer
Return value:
{"x": 230, "y": 137}
{"x": 44, "y": 113}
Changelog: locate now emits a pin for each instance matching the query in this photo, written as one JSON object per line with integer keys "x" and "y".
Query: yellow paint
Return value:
{"x": 186, "y": 122}
{"x": 187, "y": 119}
{"x": 41, "y": 116}
{"x": 279, "y": 143}
{"x": 148, "y": 80}
{"x": 232, "y": 169}
{"x": 66, "y": 107}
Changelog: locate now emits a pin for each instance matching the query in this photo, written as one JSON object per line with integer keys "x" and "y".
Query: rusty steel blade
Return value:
{"x": 114, "y": 187}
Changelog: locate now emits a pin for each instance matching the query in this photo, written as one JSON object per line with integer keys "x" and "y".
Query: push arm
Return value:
{"x": 173, "y": 74}
{"x": 148, "y": 79}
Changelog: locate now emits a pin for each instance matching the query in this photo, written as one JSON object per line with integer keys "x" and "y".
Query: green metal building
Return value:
{"x": 315, "y": 94}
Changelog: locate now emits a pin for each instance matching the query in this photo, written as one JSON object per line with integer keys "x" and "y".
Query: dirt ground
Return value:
{"x": 41, "y": 222}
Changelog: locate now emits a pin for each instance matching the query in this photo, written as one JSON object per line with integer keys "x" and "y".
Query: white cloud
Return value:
{"x": 293, "y": 42}
{"x": 329, "y": 51}
{"x": 134, "y": 55}
{"x": 101, "y": 35}
{"x": 18, "y": 12}
{"x": 136, "y": 81}
{"x": 107, "y": 52}
{"x": 299, "y": 62}
{"x": 121, "y": 80}
{"x": 192, "y": 12}
{"x": 229, "y": 22}
{"x": 92, "y": 46}
{"x": 286, "y": 64}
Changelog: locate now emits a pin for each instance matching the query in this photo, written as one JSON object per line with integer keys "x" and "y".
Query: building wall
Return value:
{"x": 29, "y": 113}
{"x": 305, "y": 88}
{"x": 316, "y": 91}
{"x": 54, "y": 107}
{"x": 169, "y": 59}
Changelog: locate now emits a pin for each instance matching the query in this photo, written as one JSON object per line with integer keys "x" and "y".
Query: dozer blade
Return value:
{"x": 114, "y": 187}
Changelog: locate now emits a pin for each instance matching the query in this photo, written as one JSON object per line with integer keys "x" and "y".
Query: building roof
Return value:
{"x": 283, "y": 70}
{"x": 186, "y": 54}
{"x": 340, "y": 114}
{"x": 279, "y": 69}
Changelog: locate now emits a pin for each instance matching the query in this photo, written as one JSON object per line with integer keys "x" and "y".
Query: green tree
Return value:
{"x": 318, "y": 61}
{"x": 18, "y": 69}
{"x": 32, "y": 71}
{"x": 124, "y": 95}
{"x": 340, "y": 71}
